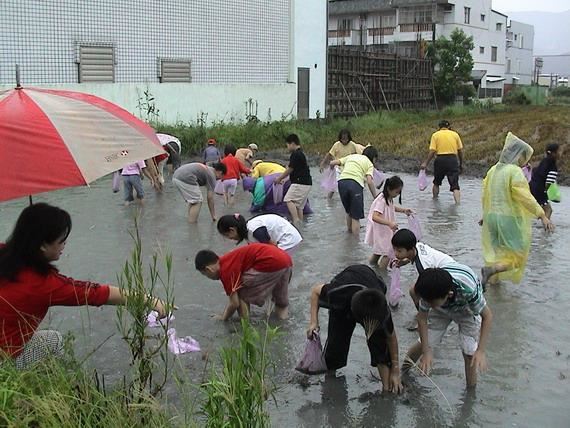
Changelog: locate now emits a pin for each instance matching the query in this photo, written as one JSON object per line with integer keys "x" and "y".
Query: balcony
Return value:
{"x": 416, "y": 27}
{"x": 381, "y": 31}
{"x": 339, "y": 33}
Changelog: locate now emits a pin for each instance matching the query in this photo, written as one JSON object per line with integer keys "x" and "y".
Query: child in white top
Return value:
{"x": 382, "y": 222}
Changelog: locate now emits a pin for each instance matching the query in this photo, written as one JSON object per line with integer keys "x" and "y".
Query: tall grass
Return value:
{"x": 236, "y": 391}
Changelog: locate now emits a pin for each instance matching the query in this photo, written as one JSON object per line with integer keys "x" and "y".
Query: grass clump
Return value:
{"x": 236, "y": 391}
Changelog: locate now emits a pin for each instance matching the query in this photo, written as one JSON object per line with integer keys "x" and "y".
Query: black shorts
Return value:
{"x": 352, "y": 197}
{"x": 446, "y": 165}
{"x": 539, "y": 193}
{"x": 341, "y": 327}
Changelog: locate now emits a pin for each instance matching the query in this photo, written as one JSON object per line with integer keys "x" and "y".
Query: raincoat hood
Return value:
{"x": 515, "y": 151}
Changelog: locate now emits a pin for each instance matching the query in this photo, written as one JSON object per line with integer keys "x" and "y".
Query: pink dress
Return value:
{"x": 379, "y": 236}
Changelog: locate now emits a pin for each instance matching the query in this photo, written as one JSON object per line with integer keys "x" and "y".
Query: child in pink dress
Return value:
{"x": 382, "y": 221}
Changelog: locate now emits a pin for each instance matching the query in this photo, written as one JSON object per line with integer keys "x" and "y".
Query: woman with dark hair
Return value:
{"x": 30, "y": 284}
{"x": 544, "y": 175}
{"x": 341, "y": 148}
{"x": 264, "y": 228}
{"x": 357, "y": 170}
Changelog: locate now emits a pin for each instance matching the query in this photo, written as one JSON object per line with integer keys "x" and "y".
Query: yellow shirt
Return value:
{"x": 360, "y": 148}
{"x": 445, "y": 142}
{"x": 266, "y": 168}
{"x": 356, "y": 167}
{"x": 339, "y": 150}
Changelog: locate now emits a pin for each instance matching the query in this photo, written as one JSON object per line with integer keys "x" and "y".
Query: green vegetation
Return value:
{"x": 482, "y": 126}
{"x": 453, "y": 64}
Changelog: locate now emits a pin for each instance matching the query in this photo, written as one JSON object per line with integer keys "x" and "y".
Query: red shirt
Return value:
{"x": 234, "y": 166}
{"x": 261, "y": 257}
{"x": 25, "y": 302}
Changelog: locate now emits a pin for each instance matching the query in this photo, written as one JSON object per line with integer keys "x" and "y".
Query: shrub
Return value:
{"x": 517, "y": 97}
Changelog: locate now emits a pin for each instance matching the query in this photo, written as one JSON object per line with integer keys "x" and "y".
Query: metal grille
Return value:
{"x": 175, "y": 71}
{"x": 237, "y": 41}
{"x": 96, "y": 64}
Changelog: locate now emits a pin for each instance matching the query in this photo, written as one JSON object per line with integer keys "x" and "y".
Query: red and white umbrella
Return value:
{"x": 51, "y": 139}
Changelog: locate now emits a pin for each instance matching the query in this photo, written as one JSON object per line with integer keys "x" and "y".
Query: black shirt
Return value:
{"x": 300, "y": 173}
{"x": 545, "y": 173}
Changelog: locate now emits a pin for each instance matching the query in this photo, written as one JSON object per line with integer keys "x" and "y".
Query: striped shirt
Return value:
{"x": 467, "y": 291}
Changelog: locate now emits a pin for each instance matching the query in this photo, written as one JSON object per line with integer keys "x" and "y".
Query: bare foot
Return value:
{"x": 281, "y": 313}
{"x": 486, "y": 273}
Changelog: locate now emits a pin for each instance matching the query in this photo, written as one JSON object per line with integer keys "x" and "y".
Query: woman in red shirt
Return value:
{"x": 30, "y": 284}
{"x": 250, "y": 275}
{"x": 234, "y": 170}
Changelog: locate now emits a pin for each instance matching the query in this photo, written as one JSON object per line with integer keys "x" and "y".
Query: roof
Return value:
{"x": 495, "y": 79}
{"x": 341, "y": 7}
{"x": 477, "y": 74}
{"x": 404, "y": 3}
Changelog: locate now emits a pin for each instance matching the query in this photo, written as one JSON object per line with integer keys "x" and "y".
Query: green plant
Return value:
{"x": 132, "y": 321}
{"x": 236, "y": 391}
{"x": 147, "y": 106}
{"x": 517, "y": 97}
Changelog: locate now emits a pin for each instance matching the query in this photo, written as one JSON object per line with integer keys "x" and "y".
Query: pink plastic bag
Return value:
{"x": 395, "y": 291}
{"x": 219, "y": 189}
{"x": 527, "y": 171}
{"x": 181, "y": 345}
{"x": 415, "y": 227}
{"x": 422, "y": 180}
{"x": 277, "y": 193}
{"x": 313, "y": 360}
{"x": 154, "y": 321}
{"x": 328, "y": 180}
{"x": 378, "y": 177}
{"x": 116, "y": 181}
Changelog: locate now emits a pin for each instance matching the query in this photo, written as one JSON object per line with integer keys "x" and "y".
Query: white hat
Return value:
{"x": 253, "y": 147}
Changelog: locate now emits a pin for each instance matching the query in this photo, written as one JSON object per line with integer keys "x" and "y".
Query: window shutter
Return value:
{"x": 175, "y": 71}
{"x": 96, "y": 64}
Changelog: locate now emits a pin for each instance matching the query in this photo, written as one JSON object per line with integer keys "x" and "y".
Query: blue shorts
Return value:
{"x": 352, "y": 197}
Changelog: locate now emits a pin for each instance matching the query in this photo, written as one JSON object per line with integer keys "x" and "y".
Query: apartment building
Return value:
{"x": 406, "y": 26}
{"x": 519, "y": 68}
{"x": 197, "y": 59}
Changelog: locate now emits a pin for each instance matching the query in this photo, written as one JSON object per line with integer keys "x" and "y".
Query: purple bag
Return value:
{"x": 378, "y": 177}
{"x": 328, "y": 180}
{"x": 181, "y": 345}
{"x": 414, "y": 226}
{"x": 116, "y": 181}
{"x": 395, "y": 291}
{"x": 277, "y": 193}
{"x": 313, "y": 360}
{"x": 422, "y": 180}
{"x": 219, "y": 189}
{"x": 527, "y": 171}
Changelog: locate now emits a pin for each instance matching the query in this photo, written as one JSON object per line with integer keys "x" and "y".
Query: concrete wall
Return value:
{"x": 520, "y": 53}
{"x": 185, "y": 102}
{"x": 310, "y": 41}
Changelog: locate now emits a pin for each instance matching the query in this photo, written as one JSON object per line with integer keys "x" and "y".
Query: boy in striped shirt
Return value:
{"x": 452, "y": 293}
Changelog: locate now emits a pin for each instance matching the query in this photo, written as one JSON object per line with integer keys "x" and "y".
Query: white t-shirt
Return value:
{"x": 280, "y": 230}
{"x": 430, "y": 258}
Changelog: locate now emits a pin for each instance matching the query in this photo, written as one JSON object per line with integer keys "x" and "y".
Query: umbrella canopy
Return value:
{"x": 51, "y": 139}
{"x": 165, "y": 139}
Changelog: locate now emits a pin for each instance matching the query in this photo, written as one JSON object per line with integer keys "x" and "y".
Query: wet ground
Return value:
{"x": 528, "y": 382}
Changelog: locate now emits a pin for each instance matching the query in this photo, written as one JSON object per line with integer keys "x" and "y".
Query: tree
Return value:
{"x": 453, "y": 63}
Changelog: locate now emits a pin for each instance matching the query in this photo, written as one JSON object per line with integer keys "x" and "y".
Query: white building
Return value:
{"x": 197, "y": 59}
{"x": 519, "y": 55}
{"x": 405, "y": 26}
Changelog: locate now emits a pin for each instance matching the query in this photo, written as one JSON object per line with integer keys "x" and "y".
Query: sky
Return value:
{"x": 531, "y": 5}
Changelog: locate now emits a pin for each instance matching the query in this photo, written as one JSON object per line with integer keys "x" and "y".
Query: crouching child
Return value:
{"x": 451, "y": 294}
{"x": 357, "y": 295}
{"x": 250, "y": 275}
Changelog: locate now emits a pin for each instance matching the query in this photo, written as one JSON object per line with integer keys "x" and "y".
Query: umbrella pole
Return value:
{"x": 18, "y": 85}
{"x": 30, "y": 198}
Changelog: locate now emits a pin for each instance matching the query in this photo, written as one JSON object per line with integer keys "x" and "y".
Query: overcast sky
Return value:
{"x": 531, "y": 5}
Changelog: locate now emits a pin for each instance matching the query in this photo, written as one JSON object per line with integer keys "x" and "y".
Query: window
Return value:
{"x": 481, "y": 50}
{"x": 467, "y": 15}
{"x": 493, "y": 53}
{"x": 516, "y": 37}
{"x": 499, "y": 26}
{"x": 508, "y": 65}
{"x": 175, "y": 71}
{"x": 521, "y": 41}
{"x": 344, "y": 24}
{"x": 482, "y": 17}
{"x": 96, "y": 63}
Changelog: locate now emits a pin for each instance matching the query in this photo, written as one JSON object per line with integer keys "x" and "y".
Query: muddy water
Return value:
{"x": 527, "y": 385}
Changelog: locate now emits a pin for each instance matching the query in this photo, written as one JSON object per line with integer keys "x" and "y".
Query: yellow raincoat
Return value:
{"x": 508, "y": 208}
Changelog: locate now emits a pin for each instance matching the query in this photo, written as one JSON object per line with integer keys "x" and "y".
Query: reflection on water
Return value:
{"x": 528, "y": 382}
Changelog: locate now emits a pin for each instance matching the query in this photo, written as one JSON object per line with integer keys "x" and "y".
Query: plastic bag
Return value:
{"x": 553, "y": 193}
{"x": 527, "y": 171}
{"x": 277, "y": 193}
{"x": 153, "y": 320}
{"x": 116, "y": 181}
{"x": 378, "y": 178}
{"x": 219, "y": 189}
{"x": 415, "y": 227}
{"x": 422, "y": 180}
{"x": 328, "y": 180}
{"x": 181, "y": 345}
{"x": 395, "y": 291}
{"x": 313, "y": 360}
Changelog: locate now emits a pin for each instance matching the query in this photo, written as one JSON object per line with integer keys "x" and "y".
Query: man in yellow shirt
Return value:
{"x": 262, "y": 168}
{"x": 447, "y": 148}
{"x": 342, "y": 148}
